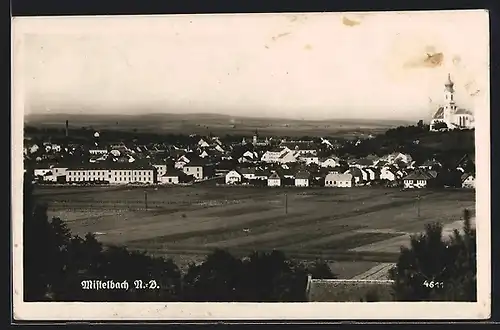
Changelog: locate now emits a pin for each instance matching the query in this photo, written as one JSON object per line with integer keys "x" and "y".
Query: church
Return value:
{"x": 448, "y": 116}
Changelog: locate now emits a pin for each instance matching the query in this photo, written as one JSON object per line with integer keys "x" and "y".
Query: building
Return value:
{"x": 300, "y": 147}
{"x": 172, "y": 176}
{"x": 199, "y": 170}
{"x": 339, "y": 180}
{"x": 115, "y": 173}
{"x": 257, "y": 142}
{"x": 388, "y": 173}
{"x": 98, "y": 151}
{"x": 274, "y": 180}
{"x": 418, "y": 179}
{"x": 248, "y": 173}
{"x": 273, "y": 155}
{"x": 287, "y": 157}
{"x": 233, "y": 177}
{"x": 161, "y": 169}
{"x": 303, "y": 179}
{"x": 309, "y": 159}
{"x": 330, "y": 162}
{"x": 448, "y": 115}
{"x": 468, "y": 181}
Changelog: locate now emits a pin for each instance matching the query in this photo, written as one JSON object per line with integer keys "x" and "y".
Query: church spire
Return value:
{"x": 449, "y": 84}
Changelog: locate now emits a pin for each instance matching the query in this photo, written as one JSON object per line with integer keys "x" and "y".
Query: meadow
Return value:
{"x": 357, "y": 229}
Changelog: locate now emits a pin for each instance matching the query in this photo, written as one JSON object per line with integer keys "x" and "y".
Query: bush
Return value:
{"x": 434, "y": 268}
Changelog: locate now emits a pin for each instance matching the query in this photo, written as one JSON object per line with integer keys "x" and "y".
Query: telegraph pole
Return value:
{"x": 418, "y": 206}
{"x": 146, "y": 199}
{"x": 286, "y": 203}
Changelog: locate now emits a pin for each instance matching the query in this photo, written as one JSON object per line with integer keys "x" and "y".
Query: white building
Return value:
{"x": 171, "y": 177}
{"x": 339, "y": 180}
{"x": 203, "y": 144}
{"x": 248, "y": 173}
{"x": 417, "y": 179}
{"x": 287, "y": 157}
{"x": 448, "y": 115}
{"x": 233, "y": 177}
{"x": 117, "y": 173}
{"x": 309, "y": 159}
{"x": 272, "y": 156}
{"x": 196, "y": 170}
{"x": 468, "y": 181}
{"x": 302, "y": 179}
{"x": 386, "y": 173}
{"x": 330, "y": 162}
{"x": 274, "y": 180}
{"x": 161, "y": 169}
{"x": 98, "y": 151}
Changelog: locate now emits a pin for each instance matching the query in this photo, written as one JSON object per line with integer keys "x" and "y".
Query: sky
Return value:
{"x": 304, "y": 66}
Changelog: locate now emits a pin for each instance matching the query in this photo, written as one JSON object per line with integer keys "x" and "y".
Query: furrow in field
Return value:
{"x": 363, "y": 209}
{"x": 354, "y": 240}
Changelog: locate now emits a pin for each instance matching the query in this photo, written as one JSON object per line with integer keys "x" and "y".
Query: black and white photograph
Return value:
{"x": 252, "y": 166}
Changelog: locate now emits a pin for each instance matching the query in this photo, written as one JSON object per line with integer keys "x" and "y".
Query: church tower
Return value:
{"x": 255, "y": 137}
{"x": 449, "y": 106}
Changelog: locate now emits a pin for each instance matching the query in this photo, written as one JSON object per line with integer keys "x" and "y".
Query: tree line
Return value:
{"x": 56, "y": 262}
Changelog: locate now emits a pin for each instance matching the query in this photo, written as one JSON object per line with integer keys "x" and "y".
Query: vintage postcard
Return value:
{"x": 252, "y": 167}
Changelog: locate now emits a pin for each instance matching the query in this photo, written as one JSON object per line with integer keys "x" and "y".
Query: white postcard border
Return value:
{"x": 241, "y": 311}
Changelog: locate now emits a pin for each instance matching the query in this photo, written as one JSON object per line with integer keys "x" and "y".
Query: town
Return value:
{"x": 254, "y": 161}
{"x": 272, "y": 161}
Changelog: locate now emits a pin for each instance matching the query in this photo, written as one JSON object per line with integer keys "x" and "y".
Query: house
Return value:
{"x": 468, "y": 181}
{"x": 361, "y": 163}
{"x": 345, "y": 180}
{"x": 388, "y": 173}
{"x": 261, "y": 175}
{"x": 274, "y": 180}
{"x": 196, "y": 169}
{"x": 203, "y": 144}
{"x": 173, "y": 176}
{"x": 302, "y": 179}
{"x": 98, "y": 151}
{"x": 430, "y": 164}
{"x": 251, "y": 154}
{"x": 40, "y": 172}
{"x": 233, "y": 177}
{"x": 287, "y": 157}
{"x": 272, "y": 156}
{"x": 373, "y": 174}
{"x": 330, "y": 162}
{"x": 301, "y": 147}
{"x": 418, "y": 179}
{"x": 181, "y": 161}
{"x": 161, "y": 169}
{"x": 309, "y": 159}
{"x": 248, "y": 173}
{"x": 359, "y": 175}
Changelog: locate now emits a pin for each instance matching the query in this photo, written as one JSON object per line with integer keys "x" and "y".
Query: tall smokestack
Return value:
{"x": 67, "y": 128}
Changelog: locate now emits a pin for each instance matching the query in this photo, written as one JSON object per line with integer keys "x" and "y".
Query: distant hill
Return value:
{"x": 215, "y": 123}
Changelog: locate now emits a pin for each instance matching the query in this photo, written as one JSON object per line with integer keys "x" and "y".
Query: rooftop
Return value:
{"x": 349, "y": 290}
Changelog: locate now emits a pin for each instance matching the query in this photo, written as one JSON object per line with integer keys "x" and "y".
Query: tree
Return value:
{"x": 56, "y": 262}
{"x": 217, "y": 279}
{"x": 435, "y": 268}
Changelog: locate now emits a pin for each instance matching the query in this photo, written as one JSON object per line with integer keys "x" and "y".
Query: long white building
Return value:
{"x": 112, "y": 173}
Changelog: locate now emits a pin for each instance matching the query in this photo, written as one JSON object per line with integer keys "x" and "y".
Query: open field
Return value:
{"x": 355, "y": 227}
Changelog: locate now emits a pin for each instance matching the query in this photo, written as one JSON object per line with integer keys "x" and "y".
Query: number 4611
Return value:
{"x": 433, "y": 284}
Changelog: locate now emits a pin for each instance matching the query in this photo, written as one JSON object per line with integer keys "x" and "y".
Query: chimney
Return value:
{"x": 66, "y": 128}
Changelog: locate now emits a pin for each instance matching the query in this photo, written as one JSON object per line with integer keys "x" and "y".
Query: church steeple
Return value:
{"x": 449, "y": 102}
{"x": 449, "y": 84}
